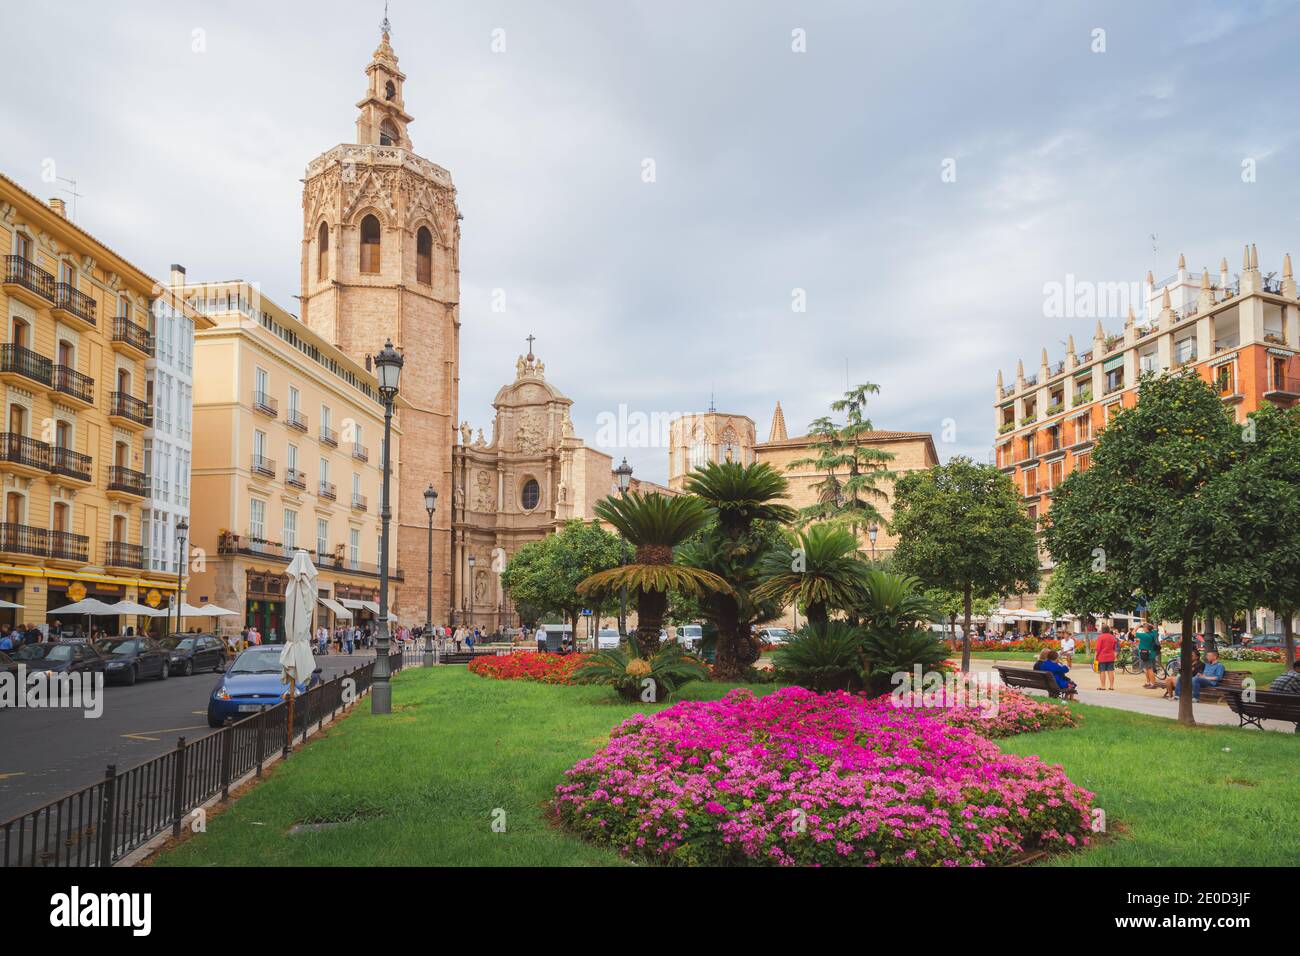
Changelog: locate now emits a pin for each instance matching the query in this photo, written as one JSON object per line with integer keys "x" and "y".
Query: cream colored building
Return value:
{"x": 288, "y": 451}
{"x": 78, "y": 337}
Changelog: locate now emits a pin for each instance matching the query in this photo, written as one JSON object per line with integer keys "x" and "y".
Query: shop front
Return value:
{"x": 11, "y": 592}
{"x": 264, "y": 605}
{"x": 60, "y": 592}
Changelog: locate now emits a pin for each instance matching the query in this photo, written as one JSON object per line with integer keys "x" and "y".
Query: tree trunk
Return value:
{"x": 1209, "y": 632}
{"x": 1288, "y": 638}
{"x": 727, "y": 665}
{"x": 1185, "y": 649}
{"x": 965, "y": 637}
{"x": 650, "y": 609}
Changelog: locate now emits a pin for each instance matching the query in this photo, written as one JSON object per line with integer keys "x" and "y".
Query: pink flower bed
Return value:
{"x": 1016, "y": 713}
{"x": 798, "y": 778}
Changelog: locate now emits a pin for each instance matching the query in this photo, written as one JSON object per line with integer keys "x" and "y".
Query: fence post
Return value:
{"x": 261, "y": 738}
{"x": 107, "y": 811}
{"x": 227, "y": 760}
{"x": 178, "y": 789}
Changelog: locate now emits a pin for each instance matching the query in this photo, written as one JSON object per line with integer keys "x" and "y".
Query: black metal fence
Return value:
{"x": 102, "y": 823}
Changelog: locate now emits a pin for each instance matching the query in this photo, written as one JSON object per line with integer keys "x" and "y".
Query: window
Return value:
{"x": 1225, "y": 378}
{"x": 323, "y": 253}
{"x": 294, "y": 398}
{"x": 324, "y": 470}
{"x": 322, "y": 536}
{"x": 424, "y": 256}
{"x": 1115, "y": 379}
{"x": 1185, "y": 350}
{"x": 259, "y": 445}
{"x": 370, "y": 245}
{"x": 1082, "y": 462}
{"x": 354, "y": 548}
{"x": 257, "y": 519}
{"x": 292, "y": 458}
{"x": 356, "y": 486}
{"x": 390, "y": 90}
{"x": 261, "y": 384}
{"x": 1083, "y": 428}
{"x": 387, "y": 133}
{"x": 531, "y": 495}
{"x": 290, "y": 530}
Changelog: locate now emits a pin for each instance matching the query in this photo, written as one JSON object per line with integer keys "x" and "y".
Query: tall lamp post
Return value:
{"x": 182, "y": 529}
{"x": 430, "y": 505}
{"x": 624, "y": 473}
{"x": 871, "y": 533}
{"x": 388, "y": 369}
{"x": 469, "y": 591}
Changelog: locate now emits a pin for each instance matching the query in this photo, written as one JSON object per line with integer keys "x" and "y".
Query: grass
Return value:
{"x": 424, "y": 786}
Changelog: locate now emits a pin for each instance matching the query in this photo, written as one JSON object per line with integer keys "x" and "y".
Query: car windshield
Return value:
{"x": 779, "y": 632}
{"x": 45, "y": 652}
{"x": 177, "y": 643}
{"x": 116, "y": 648}
{"x": 260, "y": 661}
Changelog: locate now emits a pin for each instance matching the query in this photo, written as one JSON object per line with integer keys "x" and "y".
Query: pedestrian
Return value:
{"x": 541, "y": 639}
{"x": 1105, "y": 658}
{"x": 1149, "y": 652}
{"x": 1067, "y": 648}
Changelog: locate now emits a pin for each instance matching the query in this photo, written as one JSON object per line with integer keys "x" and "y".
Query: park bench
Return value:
{"x": 1266, "y": 705}
{"x": 1231, "y": 681}
{"x": 1034, "y": 680}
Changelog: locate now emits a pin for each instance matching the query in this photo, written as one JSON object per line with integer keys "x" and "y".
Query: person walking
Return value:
{"x": 1149, "y": 652}
{"x": 1105, "y": 658}
{"x": 541, "y": 639}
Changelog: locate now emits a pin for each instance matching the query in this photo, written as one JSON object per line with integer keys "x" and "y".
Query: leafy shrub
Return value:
{"x": 822, "y": 657}
{"x": 890, "y": 652}
{"x": 626, "y": 669}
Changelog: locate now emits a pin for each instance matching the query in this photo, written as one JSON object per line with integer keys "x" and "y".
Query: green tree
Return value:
{"x": 543, "y": 576}
{"x": 654, "y": 525}
{"x": 1082, "y": 591}
{"x": 1146, "y": 513}
{"x": 744, "y": 501}
{"x": 818, "y": 568}
{"x": 852, "y": 468}
{"x": 960, "y": 527}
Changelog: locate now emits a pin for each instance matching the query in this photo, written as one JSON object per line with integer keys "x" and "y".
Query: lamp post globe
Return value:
{"x": 388, "y": 372}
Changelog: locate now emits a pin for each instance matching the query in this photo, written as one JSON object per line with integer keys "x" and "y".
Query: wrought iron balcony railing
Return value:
{"x": 136, "y": 336}
{"x": 65, "y": 461}
{"x": 121, "y": 478}
{"x": 18, "y": 359}
{"x": 21, "y": 450}
{"x": 70, "y": 299}
{"x": 71, "y": 382}
{"x": 24, "y": 272}
{"x": 129, "y": 407}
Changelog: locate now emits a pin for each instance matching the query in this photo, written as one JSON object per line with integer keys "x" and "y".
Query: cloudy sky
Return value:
{"x": 919, "y": 170}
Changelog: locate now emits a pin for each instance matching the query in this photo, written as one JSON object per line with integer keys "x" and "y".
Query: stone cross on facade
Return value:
{"x": 531, "y": 340}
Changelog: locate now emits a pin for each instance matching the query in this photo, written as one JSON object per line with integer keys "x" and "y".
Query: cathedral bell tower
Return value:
{"x": 380, "y": 260}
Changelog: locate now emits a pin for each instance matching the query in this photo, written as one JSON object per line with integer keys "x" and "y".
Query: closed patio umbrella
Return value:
{"x": 296, "y": 660}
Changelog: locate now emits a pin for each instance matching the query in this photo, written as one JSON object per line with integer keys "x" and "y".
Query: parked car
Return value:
{"x": 251, "y": 683}
{"x": 690, "y": 635}
{"x": 774, "y": 635}
{"x": 187, "y": 653}
{"x": 8, "y": 664}
{"x": 607, "y": 638}
{"x": 128, "y": 659}
{"x": 60, "y": 657}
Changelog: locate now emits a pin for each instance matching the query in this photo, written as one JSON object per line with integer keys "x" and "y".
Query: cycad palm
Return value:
{"x": 653, "y": 524}
{"x": 818, "y": 567}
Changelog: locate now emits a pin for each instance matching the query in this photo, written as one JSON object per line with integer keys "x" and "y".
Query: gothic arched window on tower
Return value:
{"x": 322, "y": 253}
{"x": 387, "y": 133}
{"x": 424, "y": 256}
{"x": 370, "y": 245}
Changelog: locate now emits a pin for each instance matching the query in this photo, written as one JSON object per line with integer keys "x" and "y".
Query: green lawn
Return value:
{"x": 421, "y": 787}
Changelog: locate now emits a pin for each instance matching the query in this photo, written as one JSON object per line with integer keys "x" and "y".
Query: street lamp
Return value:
{"x": 430, "y": 505}
{"x": 182, "y": 529}
{"x": 871, "y": 533}
{"x": 624, "y": 475}
{"x": 388, "y": 369}
{"x": 469, "y": 590}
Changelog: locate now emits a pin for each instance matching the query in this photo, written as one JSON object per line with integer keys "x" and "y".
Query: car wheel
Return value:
{"x": 165, "y": 671}
{"x": 219, "y": 666}
{"x": 131, "y": 677}
{"x": 189, "y": 668}
{"x": 212, "y": 722}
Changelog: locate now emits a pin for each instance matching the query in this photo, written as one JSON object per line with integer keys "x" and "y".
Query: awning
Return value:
{"x": 352, "y": 605}
{"x": 339, "y": 610}
{"x": 371, "y": 606}
{"x": 1111, "y": 364}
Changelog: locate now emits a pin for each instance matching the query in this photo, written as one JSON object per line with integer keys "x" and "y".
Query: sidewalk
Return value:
{"x": 1130, "y": 695}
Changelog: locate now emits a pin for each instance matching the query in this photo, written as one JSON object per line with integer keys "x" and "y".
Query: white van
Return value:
{"x": 690, "y": 635}
{"x": 607, "y": 639}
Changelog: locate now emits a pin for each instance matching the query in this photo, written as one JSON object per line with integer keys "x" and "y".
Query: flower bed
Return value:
{"x": 1016, "y": 713}
{"x": 798, "y": 778}
{"x": 527, "y": 665}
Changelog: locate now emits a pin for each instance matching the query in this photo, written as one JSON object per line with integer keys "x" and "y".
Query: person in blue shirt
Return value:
{"x": 1049, "y": 662}
{"x": 1210, "y": 676}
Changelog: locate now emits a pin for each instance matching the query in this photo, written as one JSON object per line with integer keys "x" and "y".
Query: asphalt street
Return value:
{"x": 47, "y": 752}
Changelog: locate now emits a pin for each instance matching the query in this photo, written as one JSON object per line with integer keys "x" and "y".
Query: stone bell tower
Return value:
{"x": 381, "y": 259}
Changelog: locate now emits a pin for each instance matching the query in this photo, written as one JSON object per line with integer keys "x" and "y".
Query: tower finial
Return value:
{"x": 385, "y": 28}
{"x": 531, "y": 339}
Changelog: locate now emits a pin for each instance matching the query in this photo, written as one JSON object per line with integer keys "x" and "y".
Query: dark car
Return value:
{"x": 251, "y": 683}
{"x": 187, "y": 653}
{"x": 60, "y": 657}
{"x": 128, "y": 659}
{"x": 8, "y": 664}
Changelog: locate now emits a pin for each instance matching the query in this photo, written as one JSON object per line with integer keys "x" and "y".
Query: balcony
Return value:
{"x": 358, "y": 502}
{"x": 24, "y": 539}
{"x": 119, "y": 554}
{"x": 27, "y": 283}
{"x": 70, "y": 464}
{"x": 132, "y": 339}
{"x": 126, "y": 482}
{"x": 1082, "y": 398}
{"x": 1283, "y": 389}
{"x": 295, "y": 478}
{"x": 329, "y": 436}
{"x": 296, "y": 419}
{"x": 24, "y": 455}
{"x": 64, "y": 547}
{"x": 360, "y": 452}
{"x": 74, "y": 307}
{"x": 337, "y": 561}
{"x": 327, "y": 490}
{"x": 124, "y": 409}
{"x": 252, "y": 544}
{"x": 266, "y": 404}
{"x": 1227, "y": 343}
{"x": 70, "y": 384}
{"x": 22, "y": 366}
{"x": 262, "y": 467}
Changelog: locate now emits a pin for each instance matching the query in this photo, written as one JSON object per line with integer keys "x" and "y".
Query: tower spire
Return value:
{"x": 383, "y": 120}
{"x": 778, "y": 432}
{"x": 385, "y": 27}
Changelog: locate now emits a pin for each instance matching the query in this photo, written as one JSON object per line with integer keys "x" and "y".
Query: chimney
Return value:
{"x": 57, "y": 205}
{"x": 178, "y": 275}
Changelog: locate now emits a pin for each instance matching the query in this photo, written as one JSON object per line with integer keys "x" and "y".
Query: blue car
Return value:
{"x": 250, "y": 683}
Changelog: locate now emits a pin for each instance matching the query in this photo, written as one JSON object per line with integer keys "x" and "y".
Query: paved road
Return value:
{"x": 46, "y": 753}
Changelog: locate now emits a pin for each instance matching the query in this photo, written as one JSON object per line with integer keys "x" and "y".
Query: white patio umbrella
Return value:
{"x": 9, "y": 605}
{"x": 296, "y": 661}
{"x": 91, "y": 606}
{"x": 131, "y": 607}
{"x": 211, "y": 610}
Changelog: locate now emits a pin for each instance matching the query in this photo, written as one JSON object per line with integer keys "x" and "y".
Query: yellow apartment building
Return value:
{"x": 74, "y": 366}
{"x": 288, "y": 454}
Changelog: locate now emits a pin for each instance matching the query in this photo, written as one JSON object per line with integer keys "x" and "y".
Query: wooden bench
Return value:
{"x": 1034, "y": 680}
{"x": 1231, "y": 681}
{"x": 1267, "y": 705}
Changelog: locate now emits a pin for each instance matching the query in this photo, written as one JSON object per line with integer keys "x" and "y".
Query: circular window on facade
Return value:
{"x": 531, "y": 495}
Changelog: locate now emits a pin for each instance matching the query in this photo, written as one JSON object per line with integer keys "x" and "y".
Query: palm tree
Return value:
{"x": 654, "y": 524}
{"x": 744, "y": 503}
{"x": 818, "y": 567}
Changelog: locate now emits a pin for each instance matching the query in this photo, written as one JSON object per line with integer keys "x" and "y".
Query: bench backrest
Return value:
{"x": 1023, "y": 677}
{"x": 1267, "y": 703}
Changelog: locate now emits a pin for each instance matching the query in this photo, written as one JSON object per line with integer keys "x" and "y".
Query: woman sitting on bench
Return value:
{"x": 1047, "y": 661}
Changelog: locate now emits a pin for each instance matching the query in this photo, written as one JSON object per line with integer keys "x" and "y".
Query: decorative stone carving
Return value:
{"x": 531, "y": 433}
{"x": 484, "y": 499}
